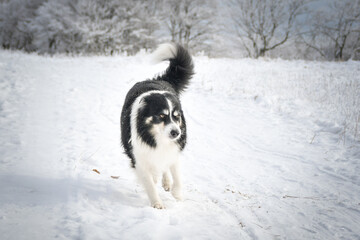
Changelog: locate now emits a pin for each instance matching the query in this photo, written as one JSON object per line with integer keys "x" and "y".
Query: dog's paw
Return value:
{"x": 177, "y": 194}
{"x": 158, "y": 205}
{"x": 166, "y": 186}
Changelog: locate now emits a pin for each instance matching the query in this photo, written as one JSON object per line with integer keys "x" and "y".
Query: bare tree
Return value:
{"x": 335, "y": 31}
{"x": 189, "y": 22}
{"x": 263, "y": 25}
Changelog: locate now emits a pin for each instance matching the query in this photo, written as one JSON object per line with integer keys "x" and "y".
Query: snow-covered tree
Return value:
{"x": 263, "y": 25}
{"x": 335, "y": 30}
{"x": 146, "y": 22}
{"x": 102, "y": 25}
{"x": 117, "y": 25}
{"x": 94, "y": 26}
{"x": 54, "y": 28}
{"x": 189, "y": 22}
{"x": 14, "y": 17}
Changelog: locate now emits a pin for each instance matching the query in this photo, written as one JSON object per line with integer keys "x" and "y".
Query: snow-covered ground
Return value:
{"x": 273, "y": 151}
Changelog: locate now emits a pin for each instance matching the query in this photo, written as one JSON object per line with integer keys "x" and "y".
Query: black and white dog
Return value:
{"x": 153, "y": 127}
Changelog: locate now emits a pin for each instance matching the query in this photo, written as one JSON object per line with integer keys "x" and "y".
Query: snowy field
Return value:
{"x": 273, "y": 151}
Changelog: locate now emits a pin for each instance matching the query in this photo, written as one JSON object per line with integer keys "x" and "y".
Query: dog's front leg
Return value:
{"x": 147, "y": 180}
{"x": 176, "y": 189}
{"x": 166, "y": 183}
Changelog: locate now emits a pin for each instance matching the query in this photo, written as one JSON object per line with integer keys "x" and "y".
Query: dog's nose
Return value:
{"x": 174, "y": 133}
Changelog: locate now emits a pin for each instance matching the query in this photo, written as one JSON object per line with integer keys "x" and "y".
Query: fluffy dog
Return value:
{"x": 153, "y": 127}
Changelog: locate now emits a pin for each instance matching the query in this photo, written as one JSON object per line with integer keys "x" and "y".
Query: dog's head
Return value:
{"x": 159, "y": 119}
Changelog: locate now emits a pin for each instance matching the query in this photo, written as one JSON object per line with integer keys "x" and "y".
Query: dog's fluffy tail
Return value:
{"x": 181, "y": 67}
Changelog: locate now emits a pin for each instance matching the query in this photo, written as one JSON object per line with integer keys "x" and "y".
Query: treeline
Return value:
{"x": 305, "y": 29}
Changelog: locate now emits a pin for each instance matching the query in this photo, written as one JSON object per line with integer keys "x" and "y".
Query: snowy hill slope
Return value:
{"x": 266, "y": 157}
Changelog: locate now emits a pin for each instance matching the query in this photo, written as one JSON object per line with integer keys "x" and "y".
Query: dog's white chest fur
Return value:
{"x": 155, "y": 160}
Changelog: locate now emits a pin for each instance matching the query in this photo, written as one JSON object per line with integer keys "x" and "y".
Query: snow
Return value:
{"x": 267, "y": 155}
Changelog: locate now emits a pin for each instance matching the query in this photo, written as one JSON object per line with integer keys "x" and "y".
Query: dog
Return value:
{"x": 153, "y": 126}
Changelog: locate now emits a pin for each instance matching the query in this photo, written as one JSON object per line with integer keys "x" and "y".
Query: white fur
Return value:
{"x": 152, "y": 163}
{"x": 164, "y": 52}
{"x": 148, "y": 120}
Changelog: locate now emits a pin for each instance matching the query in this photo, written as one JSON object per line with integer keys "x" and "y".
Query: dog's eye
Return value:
{"x": 176, "y": 114}
{"x": 162, "y": 115}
